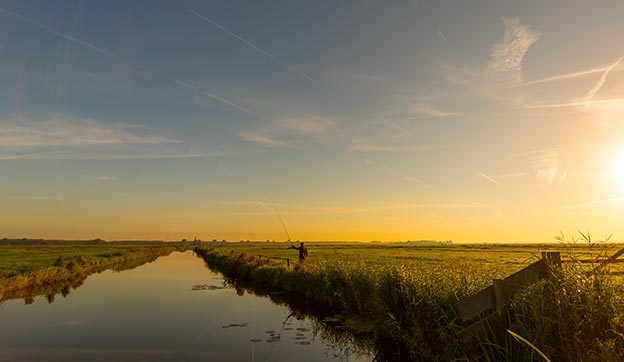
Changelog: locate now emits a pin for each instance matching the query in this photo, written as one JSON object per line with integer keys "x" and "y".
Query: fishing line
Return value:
{"x": 280, "y": 218}
{"x": 280, "y": 334}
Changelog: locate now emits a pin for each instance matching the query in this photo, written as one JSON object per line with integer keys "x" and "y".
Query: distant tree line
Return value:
{"x": 25, "y": 241}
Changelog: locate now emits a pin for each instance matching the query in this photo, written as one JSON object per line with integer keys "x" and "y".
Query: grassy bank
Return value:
{"x": 29, "y": 271}
{"x": 402, "y": 298}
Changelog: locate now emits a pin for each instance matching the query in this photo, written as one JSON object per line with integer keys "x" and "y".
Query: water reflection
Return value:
{"x": 74, "y": 279}
{"x": 172, "y": 309}
{"x": 345, "y": 342}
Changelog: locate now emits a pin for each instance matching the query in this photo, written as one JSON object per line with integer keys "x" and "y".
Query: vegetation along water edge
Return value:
{"x": 27, "y": 271}
{"x": 403, "y": 298}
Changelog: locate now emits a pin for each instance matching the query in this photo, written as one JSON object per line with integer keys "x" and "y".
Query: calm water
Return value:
{"x": 170, "y": 310}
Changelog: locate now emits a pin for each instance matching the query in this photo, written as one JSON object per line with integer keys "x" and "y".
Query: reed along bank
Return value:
{"x": 406, "y": 308}
{"x": 30, "y": 271}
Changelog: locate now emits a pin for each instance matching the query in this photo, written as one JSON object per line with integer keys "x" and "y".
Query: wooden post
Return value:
{"x": 288, "y": 262}
{"x": 499, "y": 307}
{"x": 499, "y": 295}
{"x": 494, "y": 297}
{"x": 552, "y": 261}
{"x": 553, "y": 258}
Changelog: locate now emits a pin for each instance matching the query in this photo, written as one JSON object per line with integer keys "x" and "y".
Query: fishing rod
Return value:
{"x": 280, "y": 218}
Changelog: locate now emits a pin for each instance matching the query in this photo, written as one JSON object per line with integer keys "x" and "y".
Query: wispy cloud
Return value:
{"x": 271, "y": 56}
{"x": 304, "y": 125}
{"x": 367, "y": 147}
{"x": 98, "y": 177}
{"x": 398, "y": 207}
{"x": 510, "y": 175}
{"x": 304, "y": 209}
{"x": 68, "y": 131}
{"x": 262, "y": 139}
{"x": 547, "y": 165}
{"x": 86, "y": 155}
{"x": 349, "y": 76}
{"x": 394, "y": 172}
{"x": 35, "y": 197}
{"x": 601, "y": 203}
{"x": 413, "y": 179}
{"x": 287, "y": 131}
{"x": 105, "y": 178}
{"x": 432, "y": 111}
{"x": 246, "y": 203}
{"x": 594, "y": 203}
{"x": 453, "y": 74}
{"x": 506, "y": 57}
{"x": 441, "y": 34}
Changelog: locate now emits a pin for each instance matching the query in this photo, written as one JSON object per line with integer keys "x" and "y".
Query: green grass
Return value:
{"x": 30, "y": 270}
{"x": 403, "y": 296}
{"x": 20, "y": 260}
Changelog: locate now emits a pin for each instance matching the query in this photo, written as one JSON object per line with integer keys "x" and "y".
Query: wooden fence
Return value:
{"x": 485, "y": 312}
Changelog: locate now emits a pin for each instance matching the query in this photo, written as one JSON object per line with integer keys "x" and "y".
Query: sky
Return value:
{"x": 471, "y": 121}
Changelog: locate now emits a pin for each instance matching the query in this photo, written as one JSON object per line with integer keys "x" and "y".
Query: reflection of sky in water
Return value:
{"x": 152, "y": 313}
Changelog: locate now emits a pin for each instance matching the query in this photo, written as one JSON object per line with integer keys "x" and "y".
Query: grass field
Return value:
{"x": 403, "y": 296}
{"x": 30, "y": 270}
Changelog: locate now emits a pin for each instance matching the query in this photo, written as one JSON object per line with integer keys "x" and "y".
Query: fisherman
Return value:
{"x": 303, "y": 251}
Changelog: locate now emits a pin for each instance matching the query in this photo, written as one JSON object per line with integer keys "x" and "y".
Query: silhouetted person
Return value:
{"x": 303, "y": 251}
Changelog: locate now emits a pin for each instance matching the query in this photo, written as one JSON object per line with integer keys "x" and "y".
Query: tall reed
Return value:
{"x": 410, "y": 315}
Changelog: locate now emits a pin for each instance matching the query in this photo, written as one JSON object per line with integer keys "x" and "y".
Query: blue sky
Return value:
{"x": 359, "y": 120}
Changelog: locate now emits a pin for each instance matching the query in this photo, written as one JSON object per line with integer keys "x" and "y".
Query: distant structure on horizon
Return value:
{"x": 429, "y": 242}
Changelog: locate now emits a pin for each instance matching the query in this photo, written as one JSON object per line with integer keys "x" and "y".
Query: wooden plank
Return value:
{"x": 483, "y": 301}
{"x": 613, "y": 257}
{"x": 476, "y": 305}
{"x": 523, "y": 278}
{"x": 496, "y": 296}
{"x": 597, "y": 261}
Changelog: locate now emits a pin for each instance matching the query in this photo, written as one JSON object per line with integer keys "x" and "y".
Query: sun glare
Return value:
{"x": 617, "y": 169}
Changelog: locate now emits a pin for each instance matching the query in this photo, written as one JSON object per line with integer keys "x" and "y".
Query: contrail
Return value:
{"x": 113, "y": 56}
{"x": 600, "y": 83}
{"x": 222, "y": 100}
{"x": 400, "y": 129}
{"x": 57, "y": 33}
{"x": 565, "y": 76}
{"x": 574, "y": 104}
{"x": 253, "y": 46}
{"x": 489, "y": 178}
{"x": 227, "y": 172}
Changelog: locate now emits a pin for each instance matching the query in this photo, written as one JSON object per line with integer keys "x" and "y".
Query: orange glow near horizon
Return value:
{"x": 465, "y": 121}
